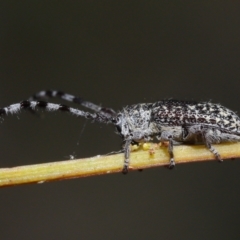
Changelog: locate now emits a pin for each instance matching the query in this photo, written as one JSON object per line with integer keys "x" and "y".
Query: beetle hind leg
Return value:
{"x": 210, "y": 136}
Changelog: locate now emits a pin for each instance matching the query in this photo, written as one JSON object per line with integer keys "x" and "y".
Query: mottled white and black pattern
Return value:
{"x": 74, "y": 99}
{"x": 175, "y": 113}
{"x": 168, "y": 120}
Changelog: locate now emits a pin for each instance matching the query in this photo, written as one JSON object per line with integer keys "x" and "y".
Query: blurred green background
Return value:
{"x": 116, "y": 53}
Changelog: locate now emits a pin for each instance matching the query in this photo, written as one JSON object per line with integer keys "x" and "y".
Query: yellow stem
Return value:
{"x": 140, "y": 159}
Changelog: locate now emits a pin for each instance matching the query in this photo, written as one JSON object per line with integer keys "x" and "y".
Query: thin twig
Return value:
{"x": 140, "y": 159}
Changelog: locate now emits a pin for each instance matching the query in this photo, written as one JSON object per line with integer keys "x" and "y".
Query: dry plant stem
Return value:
{"x": 140, "y": 159}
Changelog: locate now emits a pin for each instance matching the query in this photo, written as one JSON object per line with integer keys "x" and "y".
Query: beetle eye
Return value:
{"x": 115, "y": 120}
{"x": 119, "y": 129}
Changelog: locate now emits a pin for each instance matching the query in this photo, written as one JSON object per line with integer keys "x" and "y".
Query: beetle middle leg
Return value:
{"x": 168, "y": 136}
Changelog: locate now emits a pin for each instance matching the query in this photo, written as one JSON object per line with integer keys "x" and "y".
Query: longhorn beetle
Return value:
{"x": 167, "y": 120}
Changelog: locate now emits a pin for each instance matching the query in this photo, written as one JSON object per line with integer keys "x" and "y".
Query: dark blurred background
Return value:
{"x": 116, "y": 53}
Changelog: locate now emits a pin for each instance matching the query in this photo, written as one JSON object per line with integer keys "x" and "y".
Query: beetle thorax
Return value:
{"x": 135, "y": 123}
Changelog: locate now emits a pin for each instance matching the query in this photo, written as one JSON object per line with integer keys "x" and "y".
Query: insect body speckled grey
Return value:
{"x": 168, "y": 120}
{"x": 178, "y": 122}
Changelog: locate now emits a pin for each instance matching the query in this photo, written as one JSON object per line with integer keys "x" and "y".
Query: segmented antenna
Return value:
{"x": 15, "y": 108}
{"x": 108, "y": 112}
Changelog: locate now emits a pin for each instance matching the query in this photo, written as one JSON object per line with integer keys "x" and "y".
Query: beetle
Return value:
{"x": 171, "y": 120}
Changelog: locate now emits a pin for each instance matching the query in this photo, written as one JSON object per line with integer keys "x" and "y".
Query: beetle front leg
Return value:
{"x": 126, "y": 156}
